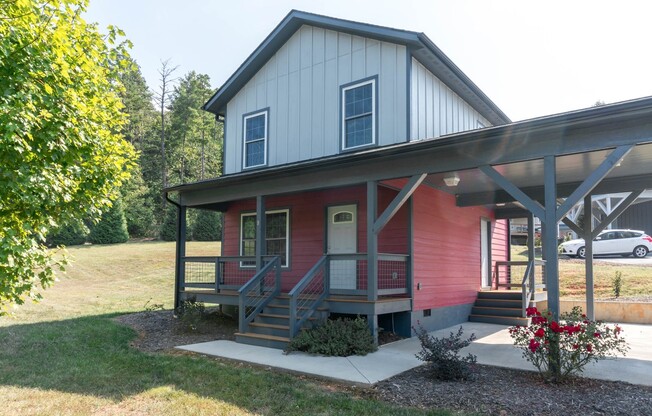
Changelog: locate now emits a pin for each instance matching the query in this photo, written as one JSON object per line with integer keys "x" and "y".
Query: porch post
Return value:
{"x": 372, "y": 241}
{"x": 588, "y": 259}
{"x": 530, "y": 237}
{"x": 180, "y": 269}
{"x": 549, "y": 229}
{"x": 372, "y": 255}
{"x": 260, "y": 231}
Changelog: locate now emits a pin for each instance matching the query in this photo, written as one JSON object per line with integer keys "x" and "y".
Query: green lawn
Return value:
{"x": 636, "y": 280}
{"x": 65, "y": 355}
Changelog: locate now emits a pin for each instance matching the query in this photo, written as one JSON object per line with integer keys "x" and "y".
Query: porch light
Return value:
{"x": 452, "y": 180}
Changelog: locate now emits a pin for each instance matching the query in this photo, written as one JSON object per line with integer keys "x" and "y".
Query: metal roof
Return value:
{"x": 580, "y": 140}
{"x": 419, "y": 44}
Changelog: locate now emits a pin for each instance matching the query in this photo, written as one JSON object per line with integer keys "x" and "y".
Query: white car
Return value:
{"x": 623, "y": 242}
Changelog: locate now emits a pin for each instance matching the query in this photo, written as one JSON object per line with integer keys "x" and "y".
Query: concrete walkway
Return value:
{"x": 493, "y": 347}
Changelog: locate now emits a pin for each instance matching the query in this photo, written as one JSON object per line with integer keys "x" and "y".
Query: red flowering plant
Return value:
{"x": 562, "y": 348}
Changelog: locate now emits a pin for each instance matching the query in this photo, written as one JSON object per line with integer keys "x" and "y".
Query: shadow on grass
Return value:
{"x": 91, "y": 356}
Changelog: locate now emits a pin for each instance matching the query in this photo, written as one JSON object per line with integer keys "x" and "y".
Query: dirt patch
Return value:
{"x": 161, "y": 331}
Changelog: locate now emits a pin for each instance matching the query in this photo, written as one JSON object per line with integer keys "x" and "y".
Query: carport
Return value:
{"x": 543, "y": 167}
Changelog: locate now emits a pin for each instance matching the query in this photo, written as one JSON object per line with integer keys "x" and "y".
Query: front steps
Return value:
{"x": 271, "y": 327}
{"x": 499, "y": 307}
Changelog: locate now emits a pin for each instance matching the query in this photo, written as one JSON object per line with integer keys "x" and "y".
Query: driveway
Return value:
{"x": 647, "y": 261}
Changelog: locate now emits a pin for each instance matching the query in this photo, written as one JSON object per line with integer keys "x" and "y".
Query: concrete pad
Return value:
{"x": 493, "y": 346}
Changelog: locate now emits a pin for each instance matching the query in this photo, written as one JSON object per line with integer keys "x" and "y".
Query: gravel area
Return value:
{"x": 500, "y": 391}
{"x": 491, "y": 391}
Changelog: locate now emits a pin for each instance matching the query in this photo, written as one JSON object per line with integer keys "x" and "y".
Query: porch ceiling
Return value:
{"x": 580, "y": 141}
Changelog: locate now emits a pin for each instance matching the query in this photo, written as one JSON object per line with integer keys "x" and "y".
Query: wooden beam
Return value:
{"x": 533, "y": 206}
{"x": 398, "y": 202}
{"x": 261, "y": 229}
{"x": 593, "y": 179}
{"x": 588, "y": 256}
{"x": 571, "y": 224}
{"x": 615, "y": 213}
{"x": 549, "y": 233}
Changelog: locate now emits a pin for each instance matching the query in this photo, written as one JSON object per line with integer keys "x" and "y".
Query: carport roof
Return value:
{"x": 580, "y": 141}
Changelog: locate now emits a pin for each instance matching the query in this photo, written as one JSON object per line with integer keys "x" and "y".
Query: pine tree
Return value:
{"x": 112, "y": 227}
{"x": 207, "y": 226}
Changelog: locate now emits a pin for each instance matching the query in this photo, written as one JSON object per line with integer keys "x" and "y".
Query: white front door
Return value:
{"x": 342, "y": 238}
{"x": 485, "y": 226}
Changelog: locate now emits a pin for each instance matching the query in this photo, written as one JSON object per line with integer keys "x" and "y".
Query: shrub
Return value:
{"x": 442, "y": 354}
{"x": 137, "y": 204}
{"x": 190, "y": 313}
{"x": 617, "y": 284}
{"x": 340, "y": 338}
{"x": 207, "y": 226}
{"x": 560, "y": 349}
{"x": 112, "y": 227}
{"x": 72, "y": 234}
{"x": 168, "y": 231}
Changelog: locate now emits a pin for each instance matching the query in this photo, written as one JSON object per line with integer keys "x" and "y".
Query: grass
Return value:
{"x": 66, "y": 356}
{"x": 636, "y": 280}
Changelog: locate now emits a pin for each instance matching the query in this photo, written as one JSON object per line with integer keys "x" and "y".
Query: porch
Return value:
{"x": 269, "y": 316}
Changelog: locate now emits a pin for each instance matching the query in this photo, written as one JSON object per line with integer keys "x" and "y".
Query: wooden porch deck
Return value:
{"x": 346, "y": 304}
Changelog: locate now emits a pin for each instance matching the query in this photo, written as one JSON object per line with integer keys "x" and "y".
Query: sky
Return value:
{"x": 531, "y": 58}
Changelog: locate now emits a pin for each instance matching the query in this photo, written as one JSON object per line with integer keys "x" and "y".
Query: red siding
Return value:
{"x": 308, "y": 222}
{"x": 447, "y": 249}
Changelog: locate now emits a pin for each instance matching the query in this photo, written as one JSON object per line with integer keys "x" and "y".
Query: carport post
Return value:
{"x": 549, "y": 235}
{"x": 588, "y": 260}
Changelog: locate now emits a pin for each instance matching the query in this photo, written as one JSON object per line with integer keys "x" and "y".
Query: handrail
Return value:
{"x": 300, "y": 312}
{"x": 262, "y": 295}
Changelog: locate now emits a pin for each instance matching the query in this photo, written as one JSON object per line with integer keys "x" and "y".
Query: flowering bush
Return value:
{"x": 561, "y": 348}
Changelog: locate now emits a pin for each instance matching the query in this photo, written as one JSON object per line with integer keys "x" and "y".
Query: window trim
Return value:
{"x": 287, "y": 233}
{"x": 265, "y": 140}
{"x": 374, "y": 112}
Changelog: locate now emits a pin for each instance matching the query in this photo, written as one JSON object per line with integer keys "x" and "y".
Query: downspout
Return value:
{"x": 180, "y": 251}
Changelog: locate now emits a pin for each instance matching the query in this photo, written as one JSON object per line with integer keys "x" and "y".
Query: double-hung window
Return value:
{"x": 359, "y": 114}
{"x": 277, "y": 235}
{"x": 255, "y": 139}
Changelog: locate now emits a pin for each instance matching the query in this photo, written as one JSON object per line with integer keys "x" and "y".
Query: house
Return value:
{"x": 365, "y": 174}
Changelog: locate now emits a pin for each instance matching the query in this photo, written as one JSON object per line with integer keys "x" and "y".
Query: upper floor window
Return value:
{"x": 359, "y": 114}
{"x": 255, "y": 139}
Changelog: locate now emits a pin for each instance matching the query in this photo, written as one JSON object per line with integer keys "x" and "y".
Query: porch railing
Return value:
{"x": 258, "y": 292}
{"x": 218, "y": 273}
{"x": 348, "y": 274}
{"x": 308, "y": 294}
{"x": 531, "y": 273}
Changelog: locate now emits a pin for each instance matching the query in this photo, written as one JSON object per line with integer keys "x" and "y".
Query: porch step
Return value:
{"x": 483, "y": 310}
{"x": 501, "y": 320}
{"x": 270, "y": 329}
{"x": 269, "y": 341}
{"x": 499, "y": 307}
{"x": 498, "y": 303}
{"x": 500, "y": 294}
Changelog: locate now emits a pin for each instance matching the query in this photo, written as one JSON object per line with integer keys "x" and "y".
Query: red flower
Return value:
{"x": 554, "y": 326}
{"x": 589, "y": 347}
{"x": 596, "y": 334}
{"x": 575, "y": 346}
{"x": 534, "y": 345}
{"x": 583, "y": 315}
{"x": 532, "y": 311}
{"x": 536, "y": 320}
{"x": 540, "y": 333}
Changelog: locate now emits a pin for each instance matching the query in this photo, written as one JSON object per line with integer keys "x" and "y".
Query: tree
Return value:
{"x": 196, "y": 147}
{"x": 60, "y": 156}
{"x": 138, "y": 208}
{"x": 112, "y": 227}
{"x": 207, "y": 226}
{"x": 161, "y": 97}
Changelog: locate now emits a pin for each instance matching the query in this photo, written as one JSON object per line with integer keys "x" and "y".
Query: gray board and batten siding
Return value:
{"x": 301, "y": 85}
{"x": 435, "y": 109}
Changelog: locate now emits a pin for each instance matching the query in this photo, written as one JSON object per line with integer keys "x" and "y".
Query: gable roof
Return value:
{"x": 420, "y": 46}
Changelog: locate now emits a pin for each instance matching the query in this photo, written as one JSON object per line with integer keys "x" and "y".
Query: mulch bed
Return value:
{"x": 491, "y": 391}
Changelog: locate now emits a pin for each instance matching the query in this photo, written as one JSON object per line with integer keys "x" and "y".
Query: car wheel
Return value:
{"x": 581, "y": 252}
{"x": 640, "y": 252}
